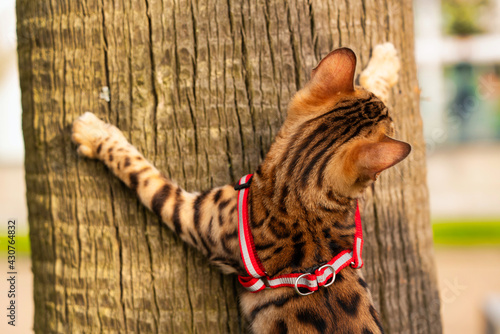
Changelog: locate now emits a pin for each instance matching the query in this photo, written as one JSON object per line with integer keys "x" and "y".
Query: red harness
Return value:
{"x": 258, "y": 279}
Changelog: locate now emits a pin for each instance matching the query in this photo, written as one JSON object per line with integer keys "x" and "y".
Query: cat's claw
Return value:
{"x": 88, "y": 132}
{"x": 381, "y": 74}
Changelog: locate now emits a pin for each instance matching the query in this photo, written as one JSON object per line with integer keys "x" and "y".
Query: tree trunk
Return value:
{"x": 201, "y": 89}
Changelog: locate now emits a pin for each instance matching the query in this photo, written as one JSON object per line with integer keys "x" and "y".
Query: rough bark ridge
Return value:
{"x": 201, "y": 88}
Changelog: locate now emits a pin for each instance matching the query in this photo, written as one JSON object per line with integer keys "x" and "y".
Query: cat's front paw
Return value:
{"x": 89, "y": 132}
{"x": 381, "y": 74}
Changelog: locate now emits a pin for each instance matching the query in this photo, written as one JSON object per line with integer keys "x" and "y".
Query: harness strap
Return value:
{"x": 251, "y": 261}
{"x": 358, "y": 241}
{"x": 258, "y": 279}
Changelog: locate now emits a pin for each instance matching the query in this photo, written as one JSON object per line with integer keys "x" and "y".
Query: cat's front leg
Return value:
{"x": 207, "y": 221}
{"x": 105, "y": 142}
{"x": 381, "y": 74}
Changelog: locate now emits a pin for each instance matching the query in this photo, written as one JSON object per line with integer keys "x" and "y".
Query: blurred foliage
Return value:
{"x": 471, "y": 232}
{"x": 462, "y": 17}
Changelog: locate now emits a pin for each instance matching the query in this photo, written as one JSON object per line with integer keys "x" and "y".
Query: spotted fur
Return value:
{"x": 333, "y": 144}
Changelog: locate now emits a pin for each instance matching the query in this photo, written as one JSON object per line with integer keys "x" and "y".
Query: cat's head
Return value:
{"x": 337, "y": 135}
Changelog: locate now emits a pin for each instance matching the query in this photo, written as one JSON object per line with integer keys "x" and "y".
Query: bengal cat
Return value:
{"x": 334, "y": 143}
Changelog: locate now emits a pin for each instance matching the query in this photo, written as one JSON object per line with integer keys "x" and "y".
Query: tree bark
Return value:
{"x": 201, "y": 88}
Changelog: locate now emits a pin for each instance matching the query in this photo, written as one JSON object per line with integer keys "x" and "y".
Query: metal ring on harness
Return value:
{"x": 296, "y": 285}
{"x": 297, "y": 288}
{"x": 333, "y": 271}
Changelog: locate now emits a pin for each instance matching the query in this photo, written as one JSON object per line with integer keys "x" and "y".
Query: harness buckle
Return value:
{"x": 243, "y": 185}
{"x": 296, "y": 285}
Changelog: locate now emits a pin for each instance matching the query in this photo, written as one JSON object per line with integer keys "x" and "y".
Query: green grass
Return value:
{"x": 467, "y": 232}
{"x": 22, "y": 245}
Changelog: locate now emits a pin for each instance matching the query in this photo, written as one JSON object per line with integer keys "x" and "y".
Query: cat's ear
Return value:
{"x": 334, "y": 73}
{"x": 373, "y": 158}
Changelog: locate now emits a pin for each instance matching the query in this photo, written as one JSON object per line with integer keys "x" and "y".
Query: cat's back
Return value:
{"x": 343, "y": 307}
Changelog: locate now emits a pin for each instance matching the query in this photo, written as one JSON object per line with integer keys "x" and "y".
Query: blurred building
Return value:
{"x": 458, "y": 58}
{"x": 12, "y": 194}
{"x": 11, "y": 142}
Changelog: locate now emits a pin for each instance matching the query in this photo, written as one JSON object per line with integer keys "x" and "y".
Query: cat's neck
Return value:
{"x": 314, "y": 229}
{"x": 278, "y": 190}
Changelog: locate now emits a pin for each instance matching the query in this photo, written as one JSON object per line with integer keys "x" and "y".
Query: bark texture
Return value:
{"x": 201, "y": 88}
